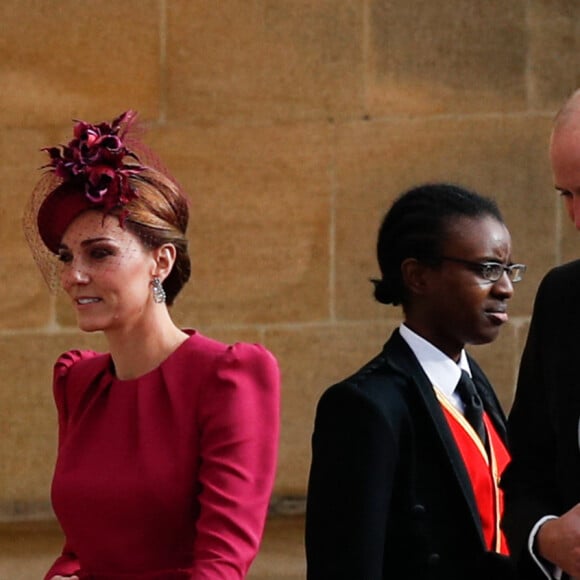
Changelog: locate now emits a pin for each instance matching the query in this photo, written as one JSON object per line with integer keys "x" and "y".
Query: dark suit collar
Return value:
{"x": 398, "y": 355}
{"x": 489, "y": 398}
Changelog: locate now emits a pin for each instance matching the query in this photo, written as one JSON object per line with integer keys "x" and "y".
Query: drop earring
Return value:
{"x": 158, "y": 291}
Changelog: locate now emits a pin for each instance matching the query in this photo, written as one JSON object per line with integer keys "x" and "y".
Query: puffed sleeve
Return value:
{"x": 239, "y": 429}
{"x": 67, "y": 563}
{"x": 59, "y": 380}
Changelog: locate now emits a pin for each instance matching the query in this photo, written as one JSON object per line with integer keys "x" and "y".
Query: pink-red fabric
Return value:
{"x": 58, "y": 211}
{"x": 167, "y": 476}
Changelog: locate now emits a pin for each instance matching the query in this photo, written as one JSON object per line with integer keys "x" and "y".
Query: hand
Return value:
{"x": 558, "y": 541}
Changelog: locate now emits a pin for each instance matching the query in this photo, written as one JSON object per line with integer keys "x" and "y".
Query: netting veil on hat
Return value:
{"x": 97, "y": 169}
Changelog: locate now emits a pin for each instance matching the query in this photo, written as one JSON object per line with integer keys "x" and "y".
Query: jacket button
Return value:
{"x": 433, "y": 559}
{"x": 418, "y": 510}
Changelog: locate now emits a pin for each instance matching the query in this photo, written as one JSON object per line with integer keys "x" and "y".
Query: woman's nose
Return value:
{"x": 73, "y": 274}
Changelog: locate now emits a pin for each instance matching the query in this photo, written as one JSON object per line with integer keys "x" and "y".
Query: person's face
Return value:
{"x": 565, "y": 159}
{"x": 106, "y": 272}
{"x": 458, "y": 306}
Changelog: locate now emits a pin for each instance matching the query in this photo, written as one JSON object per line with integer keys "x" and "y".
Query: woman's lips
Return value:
{"x": 86, "y": 300}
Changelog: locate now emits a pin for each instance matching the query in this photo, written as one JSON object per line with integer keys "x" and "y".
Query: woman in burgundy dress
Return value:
{"x": 168, "y": 442}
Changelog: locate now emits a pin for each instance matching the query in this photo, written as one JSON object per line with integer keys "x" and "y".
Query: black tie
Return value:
{"x": 473, "y": 410}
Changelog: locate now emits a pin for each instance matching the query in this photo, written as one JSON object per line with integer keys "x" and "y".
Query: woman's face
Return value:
{"x": 458, "y": 305}
{"x": 107, "y": 273}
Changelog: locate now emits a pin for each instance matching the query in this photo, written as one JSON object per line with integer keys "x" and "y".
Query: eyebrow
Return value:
{"x": 494, "y": 260}
{"x": 88, "y": 242}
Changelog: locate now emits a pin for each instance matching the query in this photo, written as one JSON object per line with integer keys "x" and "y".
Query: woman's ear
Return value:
{"x": 164, "y": 257}
{"x": 415, "y": 276}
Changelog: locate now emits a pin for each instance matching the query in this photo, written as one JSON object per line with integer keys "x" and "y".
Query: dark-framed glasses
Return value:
{"x": 491, "y": 271}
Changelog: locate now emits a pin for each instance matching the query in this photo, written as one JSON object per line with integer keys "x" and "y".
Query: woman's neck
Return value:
{"x": 141, "y": 348}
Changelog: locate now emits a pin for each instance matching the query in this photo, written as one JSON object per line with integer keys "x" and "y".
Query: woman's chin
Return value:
{"x": 90, "y": 325}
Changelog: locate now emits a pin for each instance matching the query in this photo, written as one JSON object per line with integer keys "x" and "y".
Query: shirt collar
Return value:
{"x": 442, "y": 371}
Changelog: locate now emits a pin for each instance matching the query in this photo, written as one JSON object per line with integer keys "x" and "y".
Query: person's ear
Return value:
{"x": 415, "y": 275}
{"x": 164, "y": 257}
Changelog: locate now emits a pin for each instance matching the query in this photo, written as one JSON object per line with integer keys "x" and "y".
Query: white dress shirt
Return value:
{"x": 442, "y": 371}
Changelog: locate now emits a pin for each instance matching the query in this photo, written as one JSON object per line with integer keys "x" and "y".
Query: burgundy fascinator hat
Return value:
{"x": 93, "y": 171}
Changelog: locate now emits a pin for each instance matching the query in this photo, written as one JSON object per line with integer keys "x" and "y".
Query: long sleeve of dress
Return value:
{"x": 239, "y": 425}
{"x": 67, "y": 563}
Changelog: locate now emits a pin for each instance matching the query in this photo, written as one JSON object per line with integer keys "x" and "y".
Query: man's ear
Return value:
{"x": 415, "y": 276}
{"x": 164, "y": 259}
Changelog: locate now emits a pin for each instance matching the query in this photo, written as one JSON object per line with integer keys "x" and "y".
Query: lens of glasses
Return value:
{"x": 516, "y": 272}
{"x": 491, "y": 272}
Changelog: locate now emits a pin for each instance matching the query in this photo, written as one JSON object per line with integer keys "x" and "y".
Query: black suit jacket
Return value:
{"x": 389, "y": 495}
{"x": 544, "y": 475}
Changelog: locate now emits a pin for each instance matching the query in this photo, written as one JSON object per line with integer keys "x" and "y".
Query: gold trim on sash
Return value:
{"x": 496, "y": 493}
{"x": 444, "y": 401}
{"x": 463, "y": 422}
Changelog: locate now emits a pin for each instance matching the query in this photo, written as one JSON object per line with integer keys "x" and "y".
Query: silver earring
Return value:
{"x": 158, "y": 291}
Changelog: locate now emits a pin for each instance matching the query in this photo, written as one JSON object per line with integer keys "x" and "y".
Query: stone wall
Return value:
{"x": 293, "y": 124}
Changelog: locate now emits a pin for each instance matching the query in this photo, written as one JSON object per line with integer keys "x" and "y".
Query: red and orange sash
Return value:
{"x": 484, "y": 471}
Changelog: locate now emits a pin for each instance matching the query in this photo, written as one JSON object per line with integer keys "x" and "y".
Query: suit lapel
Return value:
{"x": 400, "y": 357}
{"x": 490, "y": 402}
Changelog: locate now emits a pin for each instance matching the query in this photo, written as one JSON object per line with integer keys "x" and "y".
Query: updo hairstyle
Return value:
{"x": 159, "y": 215}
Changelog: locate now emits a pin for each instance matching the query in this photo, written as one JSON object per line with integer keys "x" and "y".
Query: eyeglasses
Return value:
{"x": 491, "y": 271}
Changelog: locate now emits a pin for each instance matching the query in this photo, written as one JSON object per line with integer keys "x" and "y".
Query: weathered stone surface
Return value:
{"x": 553, "y": 52}
{"x": 264, "y": 60}
{"x": 78, "y": 60}
{"x": 25, "y": 298}
{"x": 446, "y": 57}
{"x": 260, "y": 218}
{"x": 312, "y": 359}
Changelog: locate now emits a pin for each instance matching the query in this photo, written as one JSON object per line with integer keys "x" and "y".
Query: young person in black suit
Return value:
{"x": 403, "y": 481}
{"x": 542, "y": 483}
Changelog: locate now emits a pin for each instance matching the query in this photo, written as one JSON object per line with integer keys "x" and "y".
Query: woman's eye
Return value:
{"x": 65, "y": 257}
{"x": 100, "y": 253}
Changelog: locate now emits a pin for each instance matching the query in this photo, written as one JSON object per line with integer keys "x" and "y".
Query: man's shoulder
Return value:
{"x": 563, "y": 274}
{"x": 559, "y": 287}
{"x": 377, "y": 381}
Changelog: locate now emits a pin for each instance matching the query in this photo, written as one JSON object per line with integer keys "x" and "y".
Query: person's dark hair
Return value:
{"x": 416, "y": 225}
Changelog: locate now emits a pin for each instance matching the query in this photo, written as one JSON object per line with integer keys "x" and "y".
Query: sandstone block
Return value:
{"x": 446, "y": 58}
{"x": 237, "y": 60}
